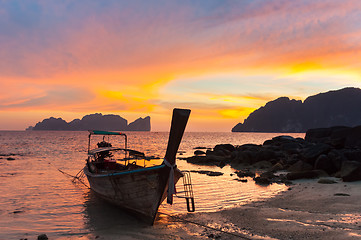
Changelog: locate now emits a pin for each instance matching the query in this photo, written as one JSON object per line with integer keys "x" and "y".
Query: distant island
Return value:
{"x": 95, "y": 121}
{"x": 333, "y": 108}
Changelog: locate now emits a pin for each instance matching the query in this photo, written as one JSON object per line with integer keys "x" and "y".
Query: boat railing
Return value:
{"x": 188, "y": 191}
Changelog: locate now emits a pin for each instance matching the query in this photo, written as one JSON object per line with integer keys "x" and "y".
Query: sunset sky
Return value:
{"x": 222, "y": 59}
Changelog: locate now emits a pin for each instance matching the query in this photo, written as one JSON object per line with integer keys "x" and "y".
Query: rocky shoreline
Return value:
{"x": 325, "y": 152}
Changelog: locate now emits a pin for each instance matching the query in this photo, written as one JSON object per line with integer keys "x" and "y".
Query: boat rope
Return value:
{"x": 171, "y": 185}
{"x": 76, "y": 177}
{"x": 239, "y": 235}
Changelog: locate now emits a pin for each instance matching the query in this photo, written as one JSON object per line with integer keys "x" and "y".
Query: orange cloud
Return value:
{"x": 123, "y": 57}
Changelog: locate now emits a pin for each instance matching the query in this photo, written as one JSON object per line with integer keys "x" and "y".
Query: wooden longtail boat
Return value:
{"x": 127, "y": 184}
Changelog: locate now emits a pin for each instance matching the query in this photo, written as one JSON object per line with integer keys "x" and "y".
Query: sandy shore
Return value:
{"x": 308, "y": 210}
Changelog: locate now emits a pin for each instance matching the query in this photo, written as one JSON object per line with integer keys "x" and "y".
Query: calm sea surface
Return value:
{"x": 37, "y": 198}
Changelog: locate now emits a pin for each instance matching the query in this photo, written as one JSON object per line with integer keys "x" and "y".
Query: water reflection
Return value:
{"x": 220, "y": 192}
{"x": 101, "y": 217}
{"x": 52, "y": 204}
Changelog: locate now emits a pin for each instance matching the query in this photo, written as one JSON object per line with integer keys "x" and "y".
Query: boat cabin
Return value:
{"x": 104, "y": 157}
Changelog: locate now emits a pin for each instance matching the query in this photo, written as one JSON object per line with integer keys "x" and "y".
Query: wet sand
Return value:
{"x": 308, "y": 210}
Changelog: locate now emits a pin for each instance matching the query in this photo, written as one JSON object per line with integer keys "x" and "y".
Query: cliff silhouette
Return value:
{"x": 333, "y": 108}
{"x": 95, "y": 121}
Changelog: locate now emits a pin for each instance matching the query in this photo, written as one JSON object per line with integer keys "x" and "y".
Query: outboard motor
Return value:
{"x": 103, "y": 144}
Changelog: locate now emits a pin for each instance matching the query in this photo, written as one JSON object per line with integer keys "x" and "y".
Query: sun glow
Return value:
{"x": 223, "y": 61}
{"x": 236, "y": 113}
{"x": 305, "y": 67}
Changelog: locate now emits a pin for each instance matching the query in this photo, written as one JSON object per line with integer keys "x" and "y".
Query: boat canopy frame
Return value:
{"x": 106, "y": 133}
{"x": 107, "y": 149}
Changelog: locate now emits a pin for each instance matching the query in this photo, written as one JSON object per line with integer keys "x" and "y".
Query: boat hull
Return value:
{"x": 139, "y": 191}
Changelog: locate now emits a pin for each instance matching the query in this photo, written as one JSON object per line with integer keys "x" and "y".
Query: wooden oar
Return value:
{"x": 179, "y": 122}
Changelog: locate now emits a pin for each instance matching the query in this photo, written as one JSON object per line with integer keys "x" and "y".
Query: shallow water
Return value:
{"x": 36, "y": 198}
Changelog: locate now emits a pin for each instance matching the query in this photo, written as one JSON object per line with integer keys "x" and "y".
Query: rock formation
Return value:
{"x": 333, "y": 108}
{"x": 95, "y": 121}
{"x": 141, "y": 124}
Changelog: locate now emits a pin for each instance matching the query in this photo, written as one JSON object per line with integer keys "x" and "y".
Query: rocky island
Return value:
{"x": 96, "y": 121}
{"x": 333, "y": 108}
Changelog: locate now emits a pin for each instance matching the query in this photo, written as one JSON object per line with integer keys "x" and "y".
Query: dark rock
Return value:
{"x": 246, "y": 156}
{"x": 242, "y": 180}
{"x": 262, "y": 165}
{"x": 350, "y": 171}
{"x": 209, "y": 173}
{"x": 338, "y": 136}
{"x": 222, "y": 147}
{"x": 213, "y": 236}
{"x": 342, "y": 194}
{"x": 324, "y": 163}
{"x": 199, "y": 152}
{"x": 353, "y": 139}
{"x": 292, "y": 159}
{"x": 43, "y": 237}
{"x": 234, "y": 155}
{"x": 311, "y": 153}
{"x": 283, "y": 139}
{"x": 268, "y": 175}
{"x": 245, "y": 173}
{"x": 249, "y": 147}
{"x": 200, "y": 148}
{"x": 318, "y": 135}
{"x": 300, "y": 166}
{"x": 221, "y": 164}
{"x": 264, "y": 155}
{"x": 217, "y": 159}
{"x": 209, "y": 152}
{"x": 279, "y": 140}
{"x": 268, "y": 142}
{"x": 291, "y": 147}
{"x": 197, "y": 160}
{"x": 10, "y": 159}
{"x": 262, "y": 180}
{"x": 277, "y": 167}
{"x": 222, "y": 153}
{"x": 336, "y": 157}
{"x": 207, "y": 160}
{"x": 353, "y": 154}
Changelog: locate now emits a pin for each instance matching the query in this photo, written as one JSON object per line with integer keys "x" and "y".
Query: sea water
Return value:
{"x": 36, "y": 198}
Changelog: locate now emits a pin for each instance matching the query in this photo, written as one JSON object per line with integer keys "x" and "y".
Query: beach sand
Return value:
{"x": 308, "y": 210}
